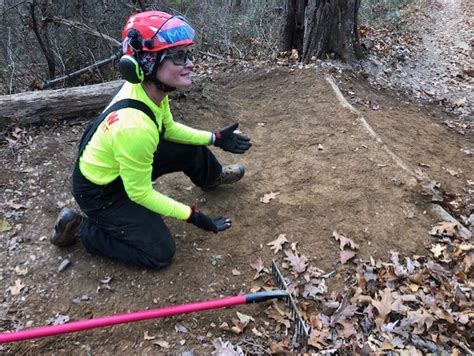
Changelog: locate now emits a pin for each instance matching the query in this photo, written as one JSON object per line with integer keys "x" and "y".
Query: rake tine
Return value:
{"x": 301, "y": 330}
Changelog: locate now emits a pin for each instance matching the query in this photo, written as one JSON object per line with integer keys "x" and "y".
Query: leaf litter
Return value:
{"x": 406, "y": 305}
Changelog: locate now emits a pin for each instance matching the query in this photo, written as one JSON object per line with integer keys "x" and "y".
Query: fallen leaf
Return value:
{"x": 383, "y": 306}
{"x": 162, "y": 343}
{"x": 269, "y": 196}
{"x": 445, "y": 228}
{"x": 21, "y": 272}
{"x": 258, "y": 264}
{"x": 437, "y": 250}
{"x": 466, "y": 247}
{"x": 346, "y": 255}
{"x": 277, "y": 244}
{"x": 180, "y": 329}
{"x": 293, "y": 246}
{"x": 279, "y": 316}
{"x": 259, "y": 267}
{"x": 343, "y": 241}
{"x": 256, "y": 332}
{"x": 244, "y": 318}
{"x": 146, "y": 336}
{"x": 282, "y": 347}
{"x": 298, "y": 263}
{"x": 241, "y": 323}
{"x": 59, "y": 319}
{"x": 314, "y": 287}
{"x": 317, "y": 338}
{"x": 225, "y": 348}
{"x": 17, "y": 287}
{"x": 236, "y": 272}
{"x": 4, "y": 225}
{"x": 348, "y": 329}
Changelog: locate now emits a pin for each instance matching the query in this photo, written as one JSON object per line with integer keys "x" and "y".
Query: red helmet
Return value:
{"x": 154, "y": 31}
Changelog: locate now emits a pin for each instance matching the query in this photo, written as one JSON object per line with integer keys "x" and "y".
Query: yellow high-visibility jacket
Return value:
{"x": 124, "y": 145}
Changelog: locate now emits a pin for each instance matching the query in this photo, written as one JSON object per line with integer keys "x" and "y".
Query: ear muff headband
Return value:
{"x": 131, "y": 70}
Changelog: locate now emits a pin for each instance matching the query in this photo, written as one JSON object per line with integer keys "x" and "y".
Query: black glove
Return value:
{"x": 231, "y": 141}
{"x": 206, "y": 223}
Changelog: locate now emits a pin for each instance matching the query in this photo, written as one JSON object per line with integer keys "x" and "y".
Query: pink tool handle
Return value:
{"x": 121, "y": 318}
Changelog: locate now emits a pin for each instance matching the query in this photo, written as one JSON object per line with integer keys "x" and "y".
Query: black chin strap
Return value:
{"x": 162, "y": 86}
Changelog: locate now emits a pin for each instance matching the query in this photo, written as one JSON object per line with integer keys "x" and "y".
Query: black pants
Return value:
{"x": 125, "y": 231}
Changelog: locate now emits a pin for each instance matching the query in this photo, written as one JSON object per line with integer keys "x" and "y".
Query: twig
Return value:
{"x": 80, "y": 71}
{"x": 462, "y": 346}
{"x": 83, "y": 27}
{"x": 211, "y": 55}
{"x": 12, "y": 61}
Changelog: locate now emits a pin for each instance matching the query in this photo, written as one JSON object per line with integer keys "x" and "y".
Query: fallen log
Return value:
{"x": 37, "y": 106}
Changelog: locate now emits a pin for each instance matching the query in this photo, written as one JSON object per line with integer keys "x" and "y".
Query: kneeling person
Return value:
{"x": 135, "y": 141}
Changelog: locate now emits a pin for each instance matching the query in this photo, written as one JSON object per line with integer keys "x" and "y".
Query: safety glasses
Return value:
{"x": 180, "y": 57}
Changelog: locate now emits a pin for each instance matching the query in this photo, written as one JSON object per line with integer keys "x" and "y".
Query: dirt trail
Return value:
{"x": 433, "y": 58}
{"x": 329, "y": 175}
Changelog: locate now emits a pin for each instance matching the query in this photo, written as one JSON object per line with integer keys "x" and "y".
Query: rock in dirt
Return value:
{"x": 64, "y": 264}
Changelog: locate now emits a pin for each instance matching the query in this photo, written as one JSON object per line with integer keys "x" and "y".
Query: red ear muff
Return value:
{"x": 131, "y": 70}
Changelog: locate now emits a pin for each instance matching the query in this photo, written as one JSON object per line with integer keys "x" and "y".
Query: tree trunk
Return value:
{"x": 322, "y": 28}
{"x": 331, "y": 28}
{"x": 293, "y": 25}
{"x": 32, "y": 107}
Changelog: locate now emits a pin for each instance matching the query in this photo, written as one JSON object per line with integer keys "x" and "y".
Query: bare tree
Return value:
{"x": 41, "y": 32}
{"x": 321, "y": 28}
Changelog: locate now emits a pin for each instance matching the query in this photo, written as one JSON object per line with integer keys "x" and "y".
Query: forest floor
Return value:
{"x": 314, "y": 175}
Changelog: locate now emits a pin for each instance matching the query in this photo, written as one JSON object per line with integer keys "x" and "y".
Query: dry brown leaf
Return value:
{"x": 314, "y": 287}
{"x": 298, "y": 263}
{"x": 383, "y": 306}
{"x": 270, "y": 196}
{"x": 445, "y": 228}
{"x": 238, "y": 327}
{"x": 245, "y": 318}
{"x": 282, "y": 347}
{"x": 258, "y": 264}
{"x": 348, "y": 329}
{"x": 346, "y": 255}
{"x": 276, "y": 314}
{"x": 277, "y": 244}
{"x": 17, "y": 287}
{"x": 259, "y": 267}
{"x": 344, "y": 241}
{"x": 317, "y": 338}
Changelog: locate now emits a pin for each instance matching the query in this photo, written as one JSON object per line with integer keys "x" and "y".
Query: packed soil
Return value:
{"x": 327, "y": 174}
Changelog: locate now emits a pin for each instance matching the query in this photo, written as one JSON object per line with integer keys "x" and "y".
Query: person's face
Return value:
{"x": 176, "y": 68}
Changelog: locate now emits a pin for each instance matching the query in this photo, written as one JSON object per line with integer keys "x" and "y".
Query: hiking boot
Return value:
{"x": 230, "y": 174}
{"x": 66, "y": 229}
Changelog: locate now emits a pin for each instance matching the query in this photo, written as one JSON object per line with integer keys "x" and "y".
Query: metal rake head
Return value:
{"x": 301, "y": 329}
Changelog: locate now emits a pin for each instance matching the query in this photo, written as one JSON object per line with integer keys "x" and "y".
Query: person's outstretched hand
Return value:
{"x": 231, "y": 140}
{"x": 207, "y": 223}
